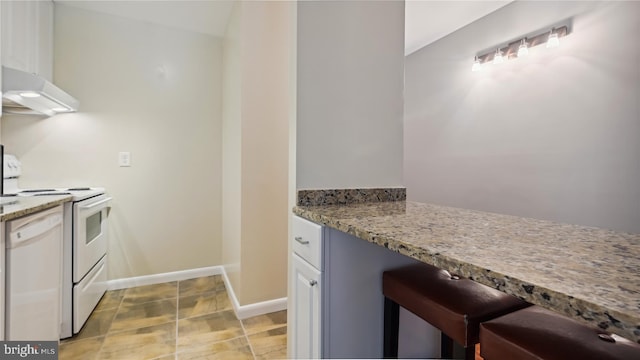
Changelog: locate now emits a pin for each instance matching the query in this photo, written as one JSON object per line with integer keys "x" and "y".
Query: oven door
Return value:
{"x": 89, "y": 234}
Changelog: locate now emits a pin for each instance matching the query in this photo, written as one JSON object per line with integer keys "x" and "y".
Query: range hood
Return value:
{"x": 25, "y": 93}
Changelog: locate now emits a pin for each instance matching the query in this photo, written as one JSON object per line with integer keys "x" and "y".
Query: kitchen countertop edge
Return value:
{"x": 29, "y": 205}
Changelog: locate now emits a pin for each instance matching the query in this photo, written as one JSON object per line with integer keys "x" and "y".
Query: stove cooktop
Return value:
{"x": 78, "y": 193}
{"x": 50, "y": 190}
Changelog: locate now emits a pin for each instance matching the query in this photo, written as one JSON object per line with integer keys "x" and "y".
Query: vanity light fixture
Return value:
{"x": 29, "y": 94}
{"x": 476, "y": 65}
{"x": 523, "y": 49}
{"x": 498, "y": 58}
{"x": 552, "y": 40}
{"x": 520, "y": 47}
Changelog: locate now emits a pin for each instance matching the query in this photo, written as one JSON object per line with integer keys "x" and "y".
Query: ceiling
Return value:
{"x": 203, "y": 16}
{"x": 425, "y": 20}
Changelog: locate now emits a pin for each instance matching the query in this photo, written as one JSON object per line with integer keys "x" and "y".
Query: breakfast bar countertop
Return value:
{"x": 586, "y": 273}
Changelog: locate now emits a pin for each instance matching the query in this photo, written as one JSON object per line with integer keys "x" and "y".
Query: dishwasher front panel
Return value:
{"x": 33, "y": 276}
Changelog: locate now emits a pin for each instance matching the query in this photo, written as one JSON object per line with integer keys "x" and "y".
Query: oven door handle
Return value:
{"x": 96, "y": 203}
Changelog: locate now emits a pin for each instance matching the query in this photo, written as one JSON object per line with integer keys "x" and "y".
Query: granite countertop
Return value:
{"x": 586, "y": 273}
{"x": 12, "y": 207}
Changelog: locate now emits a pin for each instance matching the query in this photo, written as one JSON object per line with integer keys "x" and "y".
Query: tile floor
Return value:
{"x": 190, "y": 319}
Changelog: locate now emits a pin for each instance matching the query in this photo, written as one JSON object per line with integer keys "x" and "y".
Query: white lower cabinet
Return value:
{"x": 2, "y": 275}
{"x": 307, "y": 285}
{"x": 336, "y": 308}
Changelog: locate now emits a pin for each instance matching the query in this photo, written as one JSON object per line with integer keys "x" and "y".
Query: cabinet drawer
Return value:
{"x": 307, "y": 241}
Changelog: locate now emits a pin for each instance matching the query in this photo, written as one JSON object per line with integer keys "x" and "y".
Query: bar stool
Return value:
{"x": 537, "y": 333}
{"x": 454, "y": 305}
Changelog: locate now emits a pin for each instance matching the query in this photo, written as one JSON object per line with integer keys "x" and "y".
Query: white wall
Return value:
{"x": 265, "y": 150}
{"x": 231, "y": 147}
{"x": 155, "y": 92}
{"x": 553, "y": 136}
{"x": 349, "y": 94}
{"x": 256, "y": 150}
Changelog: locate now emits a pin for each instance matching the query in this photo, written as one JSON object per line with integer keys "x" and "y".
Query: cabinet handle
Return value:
{"x": 312, "y": 283}
{"x": 299, "y": 239}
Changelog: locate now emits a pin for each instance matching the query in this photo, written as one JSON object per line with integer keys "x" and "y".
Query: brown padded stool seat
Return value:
{"x": 452, "y": 304}
{"x": 537, "y": 333}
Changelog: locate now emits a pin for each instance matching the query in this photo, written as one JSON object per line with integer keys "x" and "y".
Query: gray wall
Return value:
{"x": 350, "y": 67}
{"x": 553, "y": 136}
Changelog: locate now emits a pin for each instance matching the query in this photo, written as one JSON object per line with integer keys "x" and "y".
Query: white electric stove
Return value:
{"x": 13, "y": 171}
{"x": 85, "y": 236}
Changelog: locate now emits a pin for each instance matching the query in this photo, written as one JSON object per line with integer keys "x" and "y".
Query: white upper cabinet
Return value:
{"x": 27, "y": 36}
{"x": 1, "y": 243}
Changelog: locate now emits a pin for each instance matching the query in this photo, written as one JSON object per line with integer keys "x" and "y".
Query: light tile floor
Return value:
{"x": 190, "y": 319}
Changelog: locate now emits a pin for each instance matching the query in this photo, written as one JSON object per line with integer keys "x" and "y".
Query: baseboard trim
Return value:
{"x": 255, "y": 309}
{"x": 242, "y": 311}
{"x": 261, "y": 308}
{"x": 164, "y": 277}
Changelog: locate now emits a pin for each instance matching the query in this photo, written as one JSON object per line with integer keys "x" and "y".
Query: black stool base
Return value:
{"x": 392, "y": 331}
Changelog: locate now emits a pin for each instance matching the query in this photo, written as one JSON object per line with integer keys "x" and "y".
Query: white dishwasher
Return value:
{"x": 34, "y": 276}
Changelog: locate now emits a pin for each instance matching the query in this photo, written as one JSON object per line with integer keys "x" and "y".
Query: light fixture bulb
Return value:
{"x": 476, "y": 65}
{"x": 553, "y": 40}
{"x": 498, "y": 58}
{"x": 523, "y": 50}
{"x": 29, "y": 94}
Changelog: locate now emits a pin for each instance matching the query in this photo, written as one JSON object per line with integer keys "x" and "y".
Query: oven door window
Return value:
{"x": 93, "y": 226}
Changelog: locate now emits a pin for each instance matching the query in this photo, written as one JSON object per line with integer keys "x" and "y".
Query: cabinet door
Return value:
{"x": 1, "y": 308}
{"x": 43, "y": 59}
{"x": 18, "y": 34}
{"x": 306, "y": 325}
{"x": 2, "y": 276}
{"x": 27, "y": 36}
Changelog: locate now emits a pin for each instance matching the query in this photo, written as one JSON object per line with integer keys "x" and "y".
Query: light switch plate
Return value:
{"x": 124, "y": 158}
